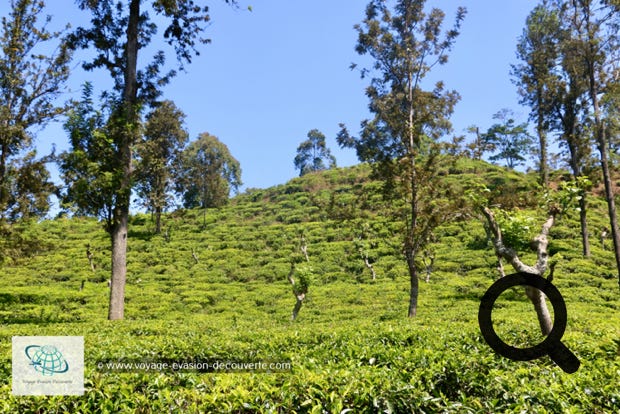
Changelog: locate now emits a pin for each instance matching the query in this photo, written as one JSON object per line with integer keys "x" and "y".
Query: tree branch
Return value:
{"x": 503, "y": 251}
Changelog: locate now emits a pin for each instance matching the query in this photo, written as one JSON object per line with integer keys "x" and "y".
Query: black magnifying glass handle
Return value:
{"x": 563, "y": 357}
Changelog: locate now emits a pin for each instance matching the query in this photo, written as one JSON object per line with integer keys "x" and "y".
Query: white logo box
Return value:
{"x": 48, "y": 365}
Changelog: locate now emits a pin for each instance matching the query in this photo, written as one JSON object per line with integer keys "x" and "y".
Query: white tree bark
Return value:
{"x": 540, "y": 243}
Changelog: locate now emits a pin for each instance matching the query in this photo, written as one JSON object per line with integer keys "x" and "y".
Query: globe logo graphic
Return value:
{"x": 46, "y": 359}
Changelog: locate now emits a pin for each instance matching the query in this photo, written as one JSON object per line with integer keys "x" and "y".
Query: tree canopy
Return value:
{"x": 206, "y": 173}
{"x": 90, "y": 168}
{"x": 30, "y": 83}
{"x": 158, "y": 150}
{"x": 510, "y": 141}
{"x": 313, "y": 154}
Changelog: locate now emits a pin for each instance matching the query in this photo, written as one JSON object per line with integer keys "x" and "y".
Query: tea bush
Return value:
{"x": 351, "y": 349}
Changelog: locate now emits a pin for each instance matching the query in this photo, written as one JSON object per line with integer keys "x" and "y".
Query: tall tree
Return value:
{"x": 538, "y": 51}
{"x": 312, "y": 154}
{"x": 595, "y": 24}
{"x": 570, "y": 113}
{"x": 552, "y": 80}
{"x": 158, "y": 150}
{"x": 117, "y": 32}
{"x": 206, "y": 173}
{"x": 30, "y": 83}
{"x": 405, "y": 44}
{"x": 509, "y": 140}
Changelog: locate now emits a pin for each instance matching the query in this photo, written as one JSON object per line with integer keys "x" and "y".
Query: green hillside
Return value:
{"x": 214, "y": 287}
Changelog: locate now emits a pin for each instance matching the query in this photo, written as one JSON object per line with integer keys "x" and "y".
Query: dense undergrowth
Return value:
{"x": 214, "y": 287}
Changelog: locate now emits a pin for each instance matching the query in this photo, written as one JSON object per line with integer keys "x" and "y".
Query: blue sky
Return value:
{"x": 271, "y": 75}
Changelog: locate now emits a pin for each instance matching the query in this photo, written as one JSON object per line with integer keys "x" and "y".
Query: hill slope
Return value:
{"x": 214, "y": 287}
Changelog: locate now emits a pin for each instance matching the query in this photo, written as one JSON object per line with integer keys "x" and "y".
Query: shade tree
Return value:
{"x": 206, "y": 173}
{"x": 508, "y": 140}
{"x": 313, "y": 154}
{"x": 404, "y": 44}
{"x": 157, "y": 151}
{"x": 117, "y": 32}
{"x": 538, "y": 51}
{"x": 30, "y": 84}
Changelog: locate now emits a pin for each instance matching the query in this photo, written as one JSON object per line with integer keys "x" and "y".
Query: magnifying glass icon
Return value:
{"x": 551, "y": 345}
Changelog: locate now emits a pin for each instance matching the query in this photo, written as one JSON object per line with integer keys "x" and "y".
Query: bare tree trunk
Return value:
{"x": 119, "y": 270}
{"x": 604, "y": 235}
{"x": 304, "y": 248}
{"x": 119, "y": 230}
{"x": 500, "y": 267}
{"x": 585, "y": 239}
{"x": 157, "y": 220}
{"x": 300, "y": 301}
{"x": 370, "y": 267}
{"x": 541, "y": 242}
{"x": 538, "y": 300}
{"x": 413, "y": 285}
{"x": 194, "y": 256}
{"x": 300, "y": 295}
{"x": 542, "y": 138}
{"x": 90, "y": 256}
{"x": 611, "y": 205}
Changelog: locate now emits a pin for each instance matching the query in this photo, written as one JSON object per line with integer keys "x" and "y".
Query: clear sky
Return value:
{"x": 271, "y": 75}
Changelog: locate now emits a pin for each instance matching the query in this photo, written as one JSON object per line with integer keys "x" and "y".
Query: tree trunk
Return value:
{"x": 611, "y": 205}
{"x": 91, "y": 257}
{"x": 304, "y": 248}
{"x": 157, "y": 220}
{"x": 577, "y": 154}
{"x": 300, "y": 295}
{"x": 119, "y": 270}
{"x": 119, "y": 228}
{"x": 541, "y": 242}
{"x": 300, "y": 301}
{"x": 609, "y": 192}
{"x": 601, "y": 140}
{"x": 4, "y": 194}
{"x": 538, "y": 300}
{"x": 414, "y": 285}
{"x": 585, "y": 240}
{"x": 542, "y": 138}
{"x": 370, "y": 267}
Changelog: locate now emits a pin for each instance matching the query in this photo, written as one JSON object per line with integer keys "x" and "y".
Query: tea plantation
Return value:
{"x": 213, "y": 287}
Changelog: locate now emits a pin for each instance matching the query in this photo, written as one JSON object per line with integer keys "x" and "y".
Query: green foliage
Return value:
{"x": 518, "y": 228}
{"x": 91, "y": 169}
{"x": 29, "y": 188}
{"x": 206, "y": 173}
{"x": 30, "y": 83}
{"x": 159, "y": 149}
{"x": 511, "y": 141}
{"x": 568, "y": 194}
{"x": 304, "y": 278}
{"x": 313, "y": 153}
